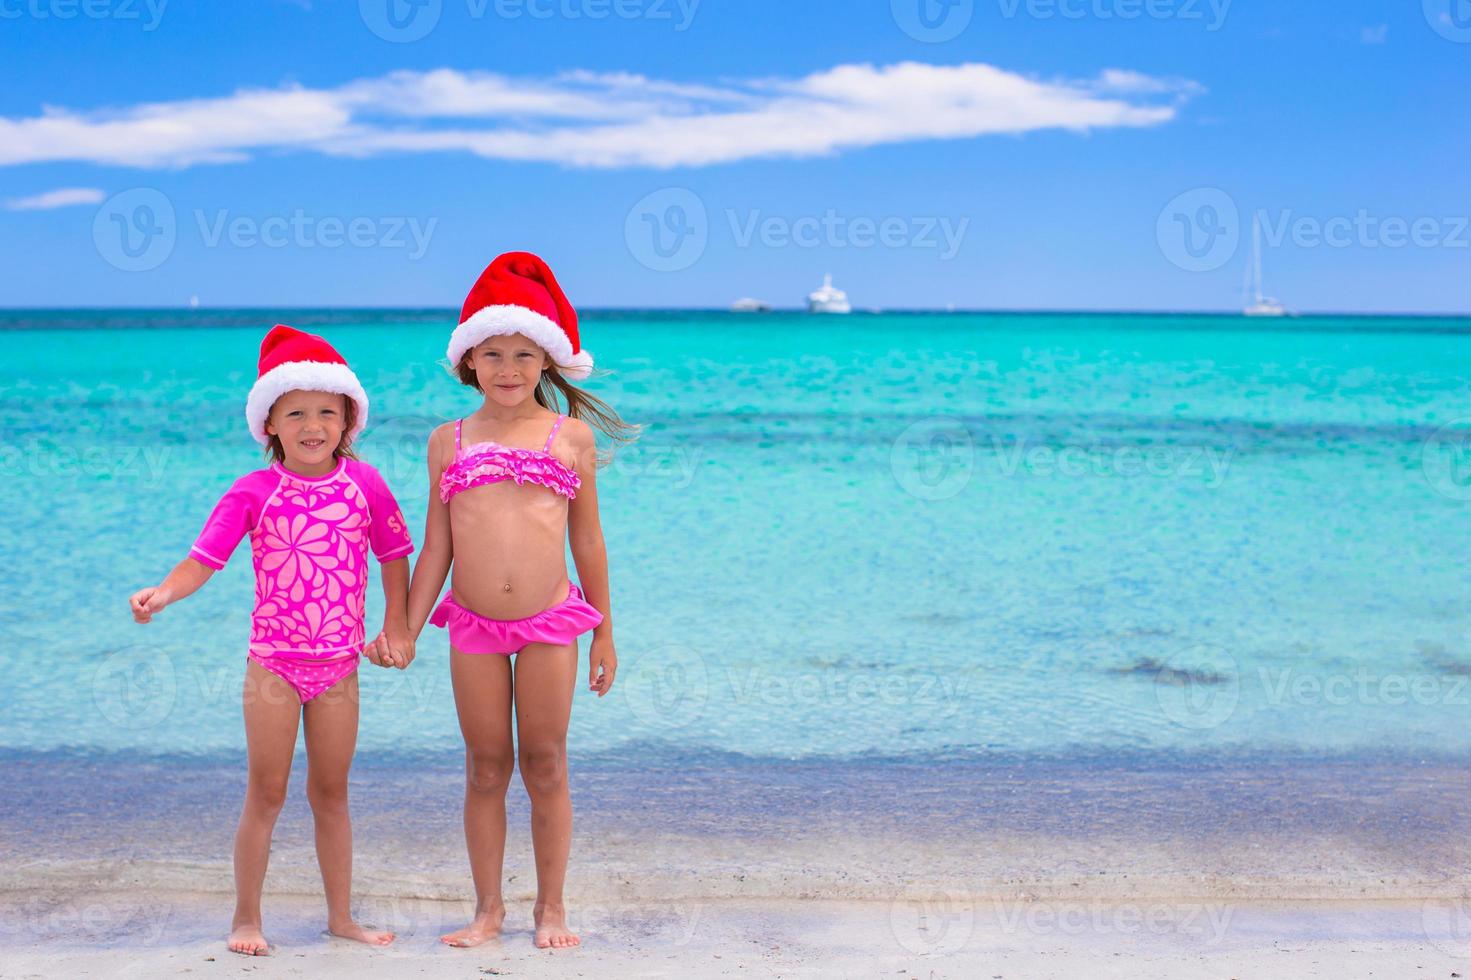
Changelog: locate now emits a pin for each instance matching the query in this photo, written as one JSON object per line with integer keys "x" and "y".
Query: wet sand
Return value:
{"x": 1211, "y": 866}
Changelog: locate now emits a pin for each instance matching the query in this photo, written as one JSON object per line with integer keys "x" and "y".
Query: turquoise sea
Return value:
{"x": 853, "y": 539}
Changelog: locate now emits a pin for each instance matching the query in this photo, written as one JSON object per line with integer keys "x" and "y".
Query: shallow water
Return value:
{"x": 838, "y": 538}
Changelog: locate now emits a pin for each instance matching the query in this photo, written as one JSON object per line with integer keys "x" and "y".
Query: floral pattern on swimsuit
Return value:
{"x": 309, "y": 539}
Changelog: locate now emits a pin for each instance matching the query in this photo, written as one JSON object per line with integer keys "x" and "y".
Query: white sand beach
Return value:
{"x": 117, "y": 934}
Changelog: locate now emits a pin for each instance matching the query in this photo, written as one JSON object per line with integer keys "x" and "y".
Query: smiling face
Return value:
{"x": 307, "y": 426}
{"x": 506, "y": 368}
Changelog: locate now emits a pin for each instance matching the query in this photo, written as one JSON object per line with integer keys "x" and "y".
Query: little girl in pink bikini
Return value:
{"x": 312, "y": 517}
{"x": 510, "y": 484}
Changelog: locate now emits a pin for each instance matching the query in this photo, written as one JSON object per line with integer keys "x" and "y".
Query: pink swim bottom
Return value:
{"x": 308, "y": 676}
{"x": 472, "y": 633}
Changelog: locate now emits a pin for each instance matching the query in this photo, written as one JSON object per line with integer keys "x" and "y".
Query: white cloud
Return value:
{"x": 1119, "y": 81}
{"x": 1377, "y": 34}
{"x": 63, "y": 197}
{"x": 586, "y": 119}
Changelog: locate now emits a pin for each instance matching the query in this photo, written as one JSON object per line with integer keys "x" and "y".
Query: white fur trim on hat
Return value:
{"x": 302, "y": 376}
{"x": 497, "y": 321}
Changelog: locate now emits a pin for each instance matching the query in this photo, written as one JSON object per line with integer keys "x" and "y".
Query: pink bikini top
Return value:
{"x": 490, "y": 462}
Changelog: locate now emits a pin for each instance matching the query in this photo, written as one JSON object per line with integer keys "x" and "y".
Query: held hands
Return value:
{"x": 602, "y": 664}
{"x": 145, "y": 602}
{"x": 395, "y": 649}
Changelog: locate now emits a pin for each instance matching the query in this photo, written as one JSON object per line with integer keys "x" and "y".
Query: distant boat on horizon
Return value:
{"x": 1260, "y": 304}
{"x": 828, "y": 298}
{"x": 748, "y": 305}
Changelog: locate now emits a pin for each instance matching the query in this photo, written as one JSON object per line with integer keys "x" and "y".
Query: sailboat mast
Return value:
{"x": 1256, "y": 255}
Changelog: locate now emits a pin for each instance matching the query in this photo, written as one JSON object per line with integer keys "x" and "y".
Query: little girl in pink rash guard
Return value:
{"x": 312, "y": 517}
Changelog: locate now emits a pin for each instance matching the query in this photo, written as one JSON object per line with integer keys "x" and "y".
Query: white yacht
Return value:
{"x": 828, "y": 299}
{"x": 1259, "y": 305}
{"x": 748, "y": 305}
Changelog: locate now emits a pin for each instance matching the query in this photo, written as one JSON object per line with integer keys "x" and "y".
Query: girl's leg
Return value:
{"x": 331, "y": 738}
{"x": 483, "y": 700}
{"x": 271, "y": 713}
{"x": 546, "y": 676}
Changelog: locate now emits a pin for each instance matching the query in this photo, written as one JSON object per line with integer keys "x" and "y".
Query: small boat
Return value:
{"x": 1260, "y": 305}
{"x": 828, "y": 298}
{"x": 749, "y": 305}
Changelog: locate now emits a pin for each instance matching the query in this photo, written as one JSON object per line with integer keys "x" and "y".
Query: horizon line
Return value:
{"x": 784, "y": 310}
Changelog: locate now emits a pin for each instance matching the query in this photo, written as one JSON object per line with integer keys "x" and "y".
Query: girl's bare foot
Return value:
{"x": 551, "y": 928}
{"x": 351, "y": 930}
{"x": 487, "y": 925}
{"x": 248, "y": 941}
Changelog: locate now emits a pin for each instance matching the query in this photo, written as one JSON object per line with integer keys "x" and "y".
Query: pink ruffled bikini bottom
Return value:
{"x": 471, "y": 632}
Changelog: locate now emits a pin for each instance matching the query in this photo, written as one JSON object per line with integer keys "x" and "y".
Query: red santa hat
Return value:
{"x": 517, "y": 293}
{"x": 291, "y": 360}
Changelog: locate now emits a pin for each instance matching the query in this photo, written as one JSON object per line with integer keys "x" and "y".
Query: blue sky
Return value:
{"x": 1016, "y": 154}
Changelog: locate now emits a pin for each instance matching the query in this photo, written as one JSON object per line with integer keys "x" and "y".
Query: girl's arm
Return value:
{"x": 590, "y": 554}
{"x": 438, "y": 552}
{"x": 186, "y": 578}
{"x": 399, "y": 651}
